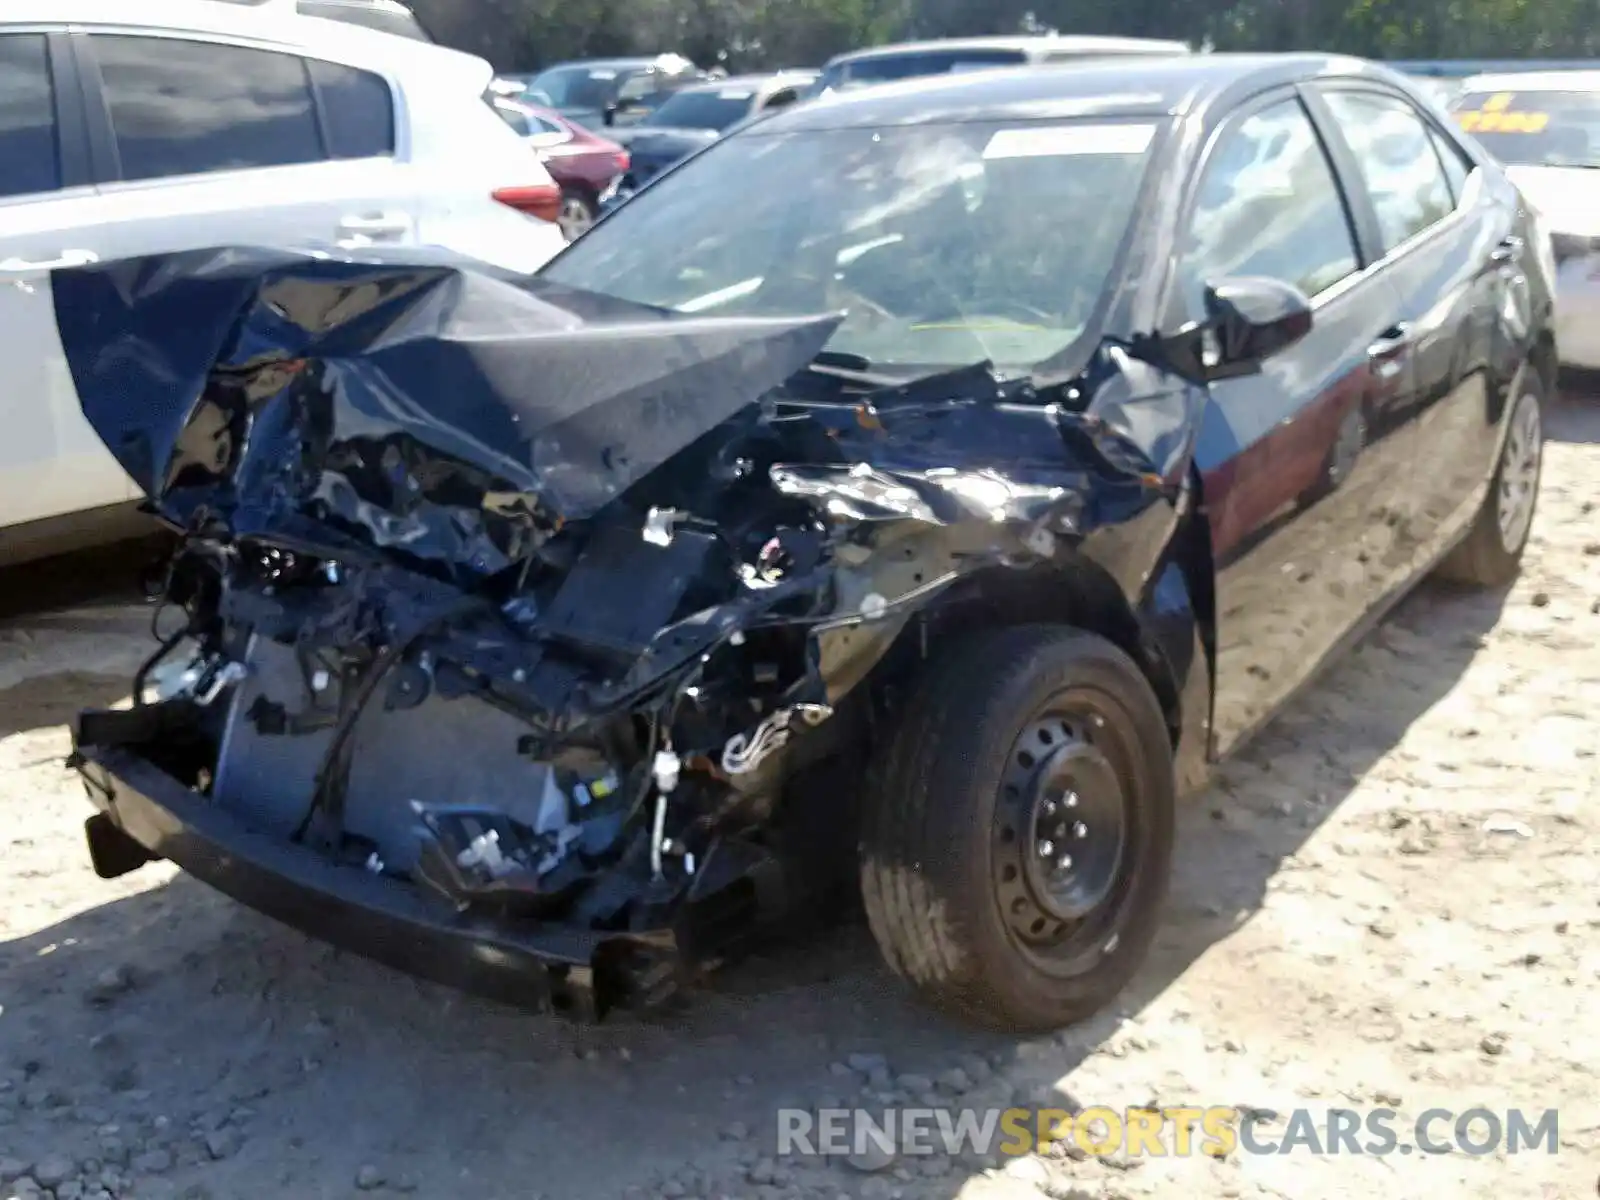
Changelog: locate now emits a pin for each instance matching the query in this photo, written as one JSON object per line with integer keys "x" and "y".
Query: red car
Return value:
{"x": 581, "y": 163}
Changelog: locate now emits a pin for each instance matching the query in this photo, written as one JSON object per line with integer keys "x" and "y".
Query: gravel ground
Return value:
{"x": 1389, "y": 900}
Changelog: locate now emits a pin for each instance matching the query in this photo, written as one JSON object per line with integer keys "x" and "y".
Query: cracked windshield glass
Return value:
{"x": 942, "y": 244}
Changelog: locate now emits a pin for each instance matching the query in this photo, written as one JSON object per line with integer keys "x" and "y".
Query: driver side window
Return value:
{"x": 1267, "y": 204}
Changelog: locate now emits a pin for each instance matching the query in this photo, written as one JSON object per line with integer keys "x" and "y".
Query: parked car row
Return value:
{"x": 917, "y": 490}
{"x": 694, "y": 117}
{"x": 698, "y": 113}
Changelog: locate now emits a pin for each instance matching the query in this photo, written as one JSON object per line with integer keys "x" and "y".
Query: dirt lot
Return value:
{"x": 1390, "y": 900}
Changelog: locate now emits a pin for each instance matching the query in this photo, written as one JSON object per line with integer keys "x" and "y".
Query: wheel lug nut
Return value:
{"x": 1072, "y": 799}
{"x": 1046, "y": 849}
{"x": 1064, "y": 863}
{"x": 1049, "y": 808}
{"x": 1080, "y": 830}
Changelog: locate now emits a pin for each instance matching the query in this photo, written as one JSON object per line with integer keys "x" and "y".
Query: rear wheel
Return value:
{"x": 1348, "y": 444}
{"x": 1017, "y": 840}
{"x": 577, "y": 213}
{"x": 1491, "y": 553}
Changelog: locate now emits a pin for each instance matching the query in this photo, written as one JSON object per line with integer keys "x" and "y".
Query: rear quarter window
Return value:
{"x": 357, "y": 110}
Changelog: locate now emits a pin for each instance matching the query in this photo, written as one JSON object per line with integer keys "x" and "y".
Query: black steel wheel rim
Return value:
{"x": 1064, "y": 833}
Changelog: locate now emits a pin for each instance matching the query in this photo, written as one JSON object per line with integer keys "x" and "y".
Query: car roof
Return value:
{"x": 1033, "y": 43}
{"x": 1158, "y": 85}
{"x": 1534, "y": 81}
{"x": 271, "y": 23}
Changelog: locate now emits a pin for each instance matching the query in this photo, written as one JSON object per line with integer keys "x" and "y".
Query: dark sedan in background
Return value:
{"x": 926, "y": 487}
{"x": 694, "y": 117}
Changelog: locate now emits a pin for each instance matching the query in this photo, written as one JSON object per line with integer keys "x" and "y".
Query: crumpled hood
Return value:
{"x": 423, "y": 402}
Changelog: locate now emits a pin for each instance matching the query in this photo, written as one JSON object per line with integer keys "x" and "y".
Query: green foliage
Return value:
{"x": 522, "y": 35}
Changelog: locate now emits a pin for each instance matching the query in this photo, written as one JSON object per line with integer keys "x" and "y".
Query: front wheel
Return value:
{"x": 1491, "y": 553}
{"x": 1017, "y": 838}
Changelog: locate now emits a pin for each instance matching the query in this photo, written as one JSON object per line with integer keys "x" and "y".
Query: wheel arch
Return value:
{"x": 1168, "y": 631}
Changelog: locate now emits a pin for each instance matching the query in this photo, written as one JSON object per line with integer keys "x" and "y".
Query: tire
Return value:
{"x": 578, "y": 213}
{"x": 1351, "y": 440}
{"x": 954, "y": 779}
{"x": 1491, "y": 553}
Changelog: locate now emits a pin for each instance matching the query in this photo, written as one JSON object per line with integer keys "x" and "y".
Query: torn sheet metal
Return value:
{"x": 445, "y": 411}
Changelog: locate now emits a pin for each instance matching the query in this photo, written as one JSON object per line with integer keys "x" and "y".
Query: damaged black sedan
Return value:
{"x": 920, "y": 487}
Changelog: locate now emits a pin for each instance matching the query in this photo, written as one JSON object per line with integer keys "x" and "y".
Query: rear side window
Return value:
{"x": 357, "y": 108}
{"x": 1397, "y": 160}
{"x": 29, "y": 159}
{"x": 189, "y": 108}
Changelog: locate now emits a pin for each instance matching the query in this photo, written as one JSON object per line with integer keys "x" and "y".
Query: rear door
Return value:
{"x": 1448, "y": 249}
{"x": 201, "y": 142}
{"x": 51, "y": 462}
{"x": 1290, "y": 481}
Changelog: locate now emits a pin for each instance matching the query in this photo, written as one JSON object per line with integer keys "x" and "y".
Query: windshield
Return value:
{"x": 576, "y": 87}
{"x": 889, "y": 67}
{"x": 943, "y": 244}
{"x": 1546, "y": 129}
{"x": 703, "y": 109}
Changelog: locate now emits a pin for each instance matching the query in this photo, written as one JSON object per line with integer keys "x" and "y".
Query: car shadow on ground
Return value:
{"x": 226, "y": 1008}
{"x": 71, "y": 633}
{"x": 1574, "y": 415}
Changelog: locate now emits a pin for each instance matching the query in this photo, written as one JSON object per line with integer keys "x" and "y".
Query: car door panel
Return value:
{"x": 1297, "y": 568}
{"x": 1292, "y": 477}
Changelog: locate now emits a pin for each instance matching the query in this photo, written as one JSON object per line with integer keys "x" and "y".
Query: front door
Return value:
{"x": 1293, "y": 469}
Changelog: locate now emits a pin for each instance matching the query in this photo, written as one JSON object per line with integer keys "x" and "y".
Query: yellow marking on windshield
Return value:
{"x": 1496, "y": 118}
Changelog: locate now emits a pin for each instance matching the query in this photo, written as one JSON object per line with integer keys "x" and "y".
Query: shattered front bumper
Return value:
{"x": 577, "y": 972}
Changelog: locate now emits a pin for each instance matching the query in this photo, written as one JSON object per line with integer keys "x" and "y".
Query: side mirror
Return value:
{"x": 609, "y": 114}
{"x": 1248, "y": 319}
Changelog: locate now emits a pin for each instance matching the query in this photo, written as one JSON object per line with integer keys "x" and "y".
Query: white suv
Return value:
{"x": 180, "y": 124}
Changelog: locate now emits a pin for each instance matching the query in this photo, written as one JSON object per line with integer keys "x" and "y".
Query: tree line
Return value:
{"x": 523, "y": 35}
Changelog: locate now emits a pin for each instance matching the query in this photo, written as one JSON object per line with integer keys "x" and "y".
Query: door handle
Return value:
{"x": 1385, "y": 352}
{"x": 67, "y": 258}
{"x": 1509, "y": 249}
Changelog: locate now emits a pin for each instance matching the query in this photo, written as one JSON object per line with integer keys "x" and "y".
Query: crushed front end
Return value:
{"x": 514, "y": 632}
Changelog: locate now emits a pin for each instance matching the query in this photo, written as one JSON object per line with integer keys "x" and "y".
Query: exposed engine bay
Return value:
{"x": 554, "y": 609}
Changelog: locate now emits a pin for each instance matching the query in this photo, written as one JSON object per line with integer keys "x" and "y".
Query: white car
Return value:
{"x": 1545, "y": 127}
{"x": 181, "y": 124}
